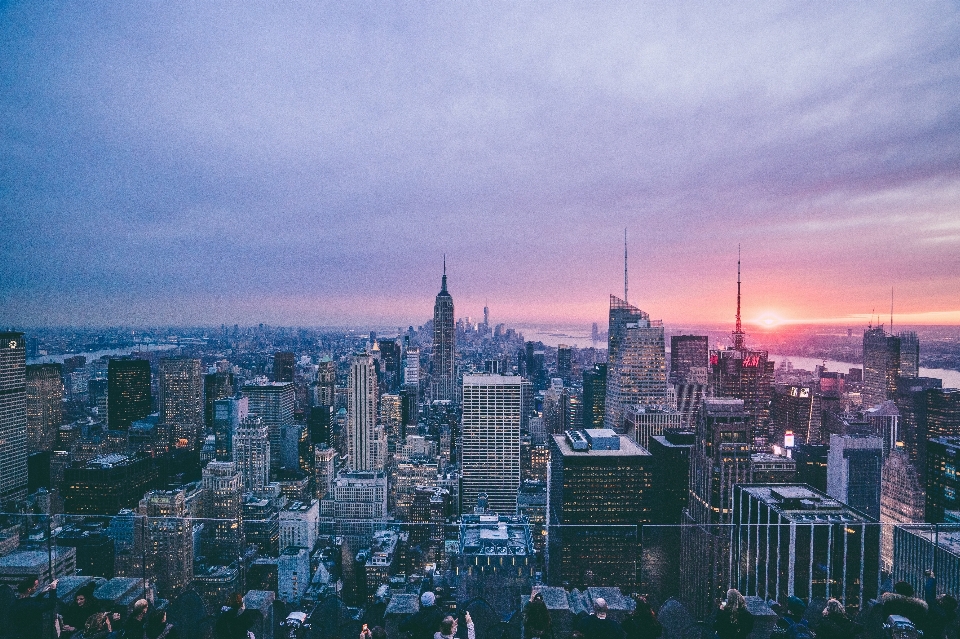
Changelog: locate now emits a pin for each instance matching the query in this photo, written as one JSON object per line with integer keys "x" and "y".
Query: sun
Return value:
{"x": 770, "y": 320}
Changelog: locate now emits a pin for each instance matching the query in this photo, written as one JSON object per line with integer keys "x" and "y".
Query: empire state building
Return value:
{"x": 443, "y": 384}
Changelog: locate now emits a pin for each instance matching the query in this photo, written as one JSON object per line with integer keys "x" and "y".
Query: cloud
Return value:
{"x": 320, "y": 151}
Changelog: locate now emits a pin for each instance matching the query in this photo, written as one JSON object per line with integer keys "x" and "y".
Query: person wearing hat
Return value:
{"x": 598, "y": 625}
{"x": 426, "y": 621}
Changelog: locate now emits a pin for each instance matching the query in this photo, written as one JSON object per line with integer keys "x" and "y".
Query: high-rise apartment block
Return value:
{"x": 181, "y": 401}
{"x": 216, "y": 386}
{"x": 443, "y": 384}
{"x": 251, "y": 453}
{"x": 493, "y": 408}
{"x": 13, "y": 416}
{"x": 44, "y": 389}
{"x": 273, "y": 402}
{"x": 361, "y": 413}
{"x": 129, "y": 396}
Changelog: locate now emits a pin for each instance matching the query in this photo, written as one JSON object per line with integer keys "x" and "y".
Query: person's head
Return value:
{"x": 27, "y": 586}
{"x": 795, "y": 607}
{"x": 428, "y": 598}
{"x": 947, "y": 602}
{"x": 140, "y": 608}
{"x": 734, "y": 601}
{"x": 903, "y": 588}
{"x": 643, "y": 608}
{"x": 600, "y": 608}
{"x": 235, "y": 601}
{"x": 834, "y": 607}
{"x": 448, "y": 626}
{"x": 96, "y": 622}
{"x": 80, "y": 599}
{"x": 378, "y": 633}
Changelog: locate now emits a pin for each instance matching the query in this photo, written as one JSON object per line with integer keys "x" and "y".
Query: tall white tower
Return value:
{"x": 362, "y": 414}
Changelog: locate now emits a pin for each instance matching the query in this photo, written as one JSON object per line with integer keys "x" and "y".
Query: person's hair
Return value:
{"x": 26, "y": 585}
{"x": 834, "y": 607}
{"x": 235, "y": 600}
{"x": 95, "y": 622}
{"x": 446, "y": 626}
{"x": 139, "y": 607}
{"x": 378, "y": 633}
{"x": 536, "y": 616}
{"x": 600, "y": 605}
{"x": 734, "y": 603}
{"x": 643, "y": 609}
{"x": 903, "y": 588}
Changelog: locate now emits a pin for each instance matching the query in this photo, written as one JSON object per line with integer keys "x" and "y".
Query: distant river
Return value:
{"x": 951, "y": 379}
{"x": 113, "y": 352}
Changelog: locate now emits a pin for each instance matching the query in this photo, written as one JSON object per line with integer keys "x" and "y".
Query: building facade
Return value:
{"x": 44, "y": 388}
{"x": 493, "y": 410}
{"x": 362, "y": 414}
{"x": 181, "y": 400}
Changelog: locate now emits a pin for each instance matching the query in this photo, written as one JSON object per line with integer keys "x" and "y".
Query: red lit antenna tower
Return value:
{"x": 738, "y": 331}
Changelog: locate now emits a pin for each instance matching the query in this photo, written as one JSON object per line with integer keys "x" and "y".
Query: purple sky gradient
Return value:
{"x": 310, "y": 163}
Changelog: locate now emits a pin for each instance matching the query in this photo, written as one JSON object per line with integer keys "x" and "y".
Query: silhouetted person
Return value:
{"x": 536, "y": 618}
{"x": 158, "y": 628}
{"x": 733, "y": 620}
{"x": 98, "y": 627}
{"x": 132, "y": 626}
{"x": 835, "y": 623}
{"x": 448, "y": 628}
{"x": 598, "y": 625}
{"x": 642, "y": 623}
{"x": 426, "y": 621}
{"x": 76, "y": 614}
{"x": 26, "y": 613}
{"x": 235, "y": 620}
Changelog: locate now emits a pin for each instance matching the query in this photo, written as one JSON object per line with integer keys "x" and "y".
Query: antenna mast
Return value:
{"x": 891, "y": 310}
{"x": 625, "y": 265}
{"x": 738, "y": 331}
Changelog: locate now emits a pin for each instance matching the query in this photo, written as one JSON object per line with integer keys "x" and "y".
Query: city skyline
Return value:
{"x": 162, "y": 172}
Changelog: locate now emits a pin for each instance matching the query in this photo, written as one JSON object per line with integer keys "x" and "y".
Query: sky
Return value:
{"x": 312, "y": 163}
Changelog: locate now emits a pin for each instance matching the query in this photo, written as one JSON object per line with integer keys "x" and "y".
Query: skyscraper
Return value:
{"x": 637, "y": 367}
{"x": 223, "y": 510}
{"x": 493, "y": 407}
{"x": 181, "y": 400}
{"x": 251, "y": 453}
{"x": 361, "y": 413}
{"x": 688, "y": 357}
{"x": 44, "y": 405}
{"x": 284, "y": 364}
{"x": 443, "y": 384}
{"x": 909, "y": 354}
{"x": 719, "y": 460}
{"x": 169, "y": 539}
{"x": 273, "y": 402}
{"x": 564, "y": 362}
{"x": 227, "y": 415}
{"x": 216, "y": 386}
{"x": 881, "y": 365}
{"x": 594, "y": 395}
{"x": 599, "y": 491}
{"x": 13, "y": 416}
{"x": 854, "y": 466}
{"x": 746, "y": 375}
{"x": 326, "y": 382}
{"x": 129, "y": 397}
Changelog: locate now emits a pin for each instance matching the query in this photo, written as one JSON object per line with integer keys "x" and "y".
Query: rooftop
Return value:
{"x": 628, "y": 448}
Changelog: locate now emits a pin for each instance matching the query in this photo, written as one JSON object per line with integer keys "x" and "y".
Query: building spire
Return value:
{"x": 443, "y": 283}
{"x": 738, "y": 331}
{"x": 625, "y": 266}
{"x": 891, "y": 310}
